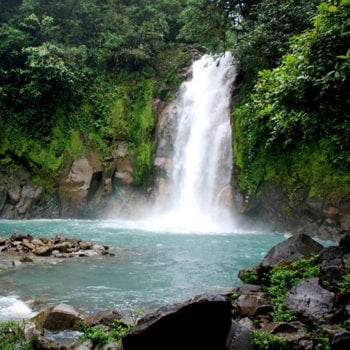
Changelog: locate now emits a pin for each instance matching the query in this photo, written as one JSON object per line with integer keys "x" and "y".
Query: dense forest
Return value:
{"x": 78, "y": 74}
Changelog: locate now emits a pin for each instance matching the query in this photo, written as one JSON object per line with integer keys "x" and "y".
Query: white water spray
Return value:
{"x": 202, "y": 161}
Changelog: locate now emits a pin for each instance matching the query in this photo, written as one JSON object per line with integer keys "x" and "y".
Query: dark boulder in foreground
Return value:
{"x": 203, "y": 323}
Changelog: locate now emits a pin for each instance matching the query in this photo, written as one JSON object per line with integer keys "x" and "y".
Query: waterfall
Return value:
{"x": 202, "y": 148}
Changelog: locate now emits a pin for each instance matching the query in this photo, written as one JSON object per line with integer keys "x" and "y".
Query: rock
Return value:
{"x": 85, "y": 245}
{"x": 201, "y": 323}
{"x": 124, "y": 171}
{"x": 26, "y": 259}
{"x": 279, "y": 327}
{"x": 111, "y": 346}
{"x": 331, "y": 261}
{"x": 87, "y": 345}
{"x": 239, "y": 338}
{"x": 43, "y": 250}
{"x": 62, "y": 317}
{"x": 78, "y": 184}
{"x": 310, "y": 300}
{"x": 62, "y": 246}
{"x": 105, "y": 318}
{"x": 42, "y": 343}
{"x": 345, "y": 242}
{"x": 341, "y": 340}
{"x": 37, "y": 241}
{"x": 14, "y": 193}
{"x": 26, "y": 243}
{"x": 294, "y": 248}
{"x": 252, "y": 302}
{"x": 19, "y": 236}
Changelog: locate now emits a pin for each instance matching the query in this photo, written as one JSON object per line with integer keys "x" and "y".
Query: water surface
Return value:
{"x": 150, "y": 269}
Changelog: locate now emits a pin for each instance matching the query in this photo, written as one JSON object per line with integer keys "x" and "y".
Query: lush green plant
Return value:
{"x": 96, "y": 334}
{"x": 99, "y": 336}
{"x": 283, "y": 278}
{"x": 344, "y": 283}
{"x": 249, "y": 275}
{"x": 268, "y": 341}
{"x": 12, "y": 336}
{"x": 118, "y": 330}
{"x": 292, "y": 127}
{"x": 322, "y": 343}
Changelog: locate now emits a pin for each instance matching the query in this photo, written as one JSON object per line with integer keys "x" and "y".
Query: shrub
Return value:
{"x": 12, "y": 336}
{"x": 267, "y": 341}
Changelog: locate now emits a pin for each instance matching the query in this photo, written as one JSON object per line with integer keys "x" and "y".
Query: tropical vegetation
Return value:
{"x": 79, "y": 74}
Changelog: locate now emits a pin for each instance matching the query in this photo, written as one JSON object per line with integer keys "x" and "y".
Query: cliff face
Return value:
{"x": 327, "y": 218}
{"x": 86, "y": 187}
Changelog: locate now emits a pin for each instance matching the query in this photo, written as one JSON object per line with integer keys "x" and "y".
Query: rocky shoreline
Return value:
{"x": 21, "y": 248}
{"x": 298, "y": 297}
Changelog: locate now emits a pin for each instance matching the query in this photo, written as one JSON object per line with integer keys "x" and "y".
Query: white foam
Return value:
{"x": 14, "y": 309}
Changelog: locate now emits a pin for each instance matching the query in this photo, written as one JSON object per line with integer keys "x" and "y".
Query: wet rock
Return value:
{"x": 26, "y": 259}
{"x": 201, "y": 323}
{"x": 341, "y": 340}
{"x": 279, "y": 327}
{"x": 252, "y": 301}
{"x": 239, "y": 338}
{"x": 330, "y": 267}
{"x": 78, "y": 184}
{"x": 124, "y": 171}
{"x": 310, "y": 300}
{"x": 43, "y": 250}
{"x": 106, "y": 318}
{"x": 58, "y": 247}
{"x": 87, "y": 345}
{"x": 63, "y": 317}
{"x": 14, "y": 193}
{"x": 294, "y": 248}
{"x": 19, "y": 236}
{"x": 345, "y": 242}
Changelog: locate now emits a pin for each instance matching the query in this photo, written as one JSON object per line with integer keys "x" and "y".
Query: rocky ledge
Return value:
{"x": 28, "y": 248}
{"x": 297, "y": 298}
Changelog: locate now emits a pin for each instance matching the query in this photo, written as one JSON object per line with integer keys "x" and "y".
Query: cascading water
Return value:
{"x": 202, "y": 157}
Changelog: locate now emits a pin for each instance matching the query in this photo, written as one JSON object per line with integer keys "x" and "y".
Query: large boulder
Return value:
{"x": 239, "y": 338}
{"x": 310, "y": 300}
{"x": 252, "y": 301}
{"x": 331, "y": 259}
{"x": 202, "y": 323}
{"x": 296, "y": 247}
{"x": 63, "y": 317}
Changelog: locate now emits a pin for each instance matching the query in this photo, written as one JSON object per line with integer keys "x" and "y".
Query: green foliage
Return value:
{"x": 296, "y": 113}
{"x": 99, "y": 336}
{"x": 249, "y": 276}
{"x": 322, "y": 343}
{"x": 118, "y": 330}
{"x": 79, "y": 74}
{"x": 344, "y": 283}
{"x": 12, "y": 336}
{"x": 266, "y": 31}
{"x": 283, "y": 277}
{"x": 268, "y": 341}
